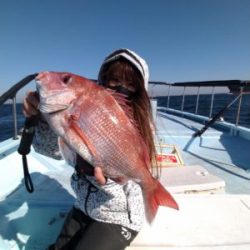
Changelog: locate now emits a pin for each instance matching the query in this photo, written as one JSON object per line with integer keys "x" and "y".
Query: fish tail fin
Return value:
{"x": 155, "y": 197}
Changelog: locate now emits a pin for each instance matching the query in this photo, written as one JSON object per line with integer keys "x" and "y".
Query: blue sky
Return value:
{"x": 182, "y": 40}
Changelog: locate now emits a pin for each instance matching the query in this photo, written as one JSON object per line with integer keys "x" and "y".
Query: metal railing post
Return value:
{"x": 183, "y": 99}
{"x": 15, "y": 137}
{"x": 212, "y": 103}
{"x": 239, "y": 107}
{"x": 168, "y": 96}
{"x": 197, "y": 100}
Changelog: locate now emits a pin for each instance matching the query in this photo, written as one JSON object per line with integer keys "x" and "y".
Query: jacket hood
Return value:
{"x": 133, "y": 58}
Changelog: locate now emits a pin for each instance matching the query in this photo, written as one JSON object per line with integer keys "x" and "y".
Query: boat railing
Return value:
{"x": 235, "y": 87}
{"x": 11, "y": 95}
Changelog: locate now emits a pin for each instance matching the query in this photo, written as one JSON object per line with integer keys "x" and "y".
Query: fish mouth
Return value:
{"x": 49, "y": 105}
{"x": 52, "y": 108}
{"x": 49, "y": 101}
{"x": 52, "y": 99}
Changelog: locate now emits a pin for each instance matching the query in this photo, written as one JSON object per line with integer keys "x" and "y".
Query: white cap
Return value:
{"x": 133, "y": 58}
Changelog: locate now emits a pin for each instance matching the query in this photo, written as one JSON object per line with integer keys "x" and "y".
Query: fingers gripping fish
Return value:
{"x": 90, "y": 122}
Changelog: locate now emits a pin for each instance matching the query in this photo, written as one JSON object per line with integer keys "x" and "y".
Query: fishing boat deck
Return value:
{"x": 218, "y": 151}
{"x": 32, "y": 221}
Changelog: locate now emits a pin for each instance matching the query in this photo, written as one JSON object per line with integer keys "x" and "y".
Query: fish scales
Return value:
{"x": 101, "y": 133}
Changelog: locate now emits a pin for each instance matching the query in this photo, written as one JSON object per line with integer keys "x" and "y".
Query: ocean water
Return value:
{"x": 6, "y": 121}
{"x": 220, "y": 100}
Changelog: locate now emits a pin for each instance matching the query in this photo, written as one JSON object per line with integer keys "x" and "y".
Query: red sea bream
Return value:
{"x": 90, "y": 122}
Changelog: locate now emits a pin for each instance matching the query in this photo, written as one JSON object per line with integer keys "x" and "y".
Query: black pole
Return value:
{"x": 24, "y": 148}
{"x": 216, "y": 117}
{"x": 9, "y": 94}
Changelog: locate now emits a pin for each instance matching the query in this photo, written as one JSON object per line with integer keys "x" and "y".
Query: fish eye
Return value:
{"x": 66, "y": 79}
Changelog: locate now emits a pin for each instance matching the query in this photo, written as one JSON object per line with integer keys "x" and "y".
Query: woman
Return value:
{"x": 106, "y": 215}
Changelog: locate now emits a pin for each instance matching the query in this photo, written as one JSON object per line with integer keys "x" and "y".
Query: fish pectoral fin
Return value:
{"x": 74, "y": 126}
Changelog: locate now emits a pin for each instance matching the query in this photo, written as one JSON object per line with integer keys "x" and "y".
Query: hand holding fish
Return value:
{"x": 100, "y": 178}
{"x": 30, "y": 104}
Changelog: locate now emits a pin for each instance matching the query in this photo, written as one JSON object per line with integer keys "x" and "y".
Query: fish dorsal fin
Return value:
{"x": 124, "y": 103}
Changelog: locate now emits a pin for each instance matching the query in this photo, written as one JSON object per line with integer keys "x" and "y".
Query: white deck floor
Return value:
{"x": 203, "y": 222}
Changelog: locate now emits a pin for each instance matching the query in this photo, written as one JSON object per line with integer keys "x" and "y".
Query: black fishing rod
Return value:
{"x": 216, "y": 117}
{"x": 11, "y": 93}
{"x": 24, "y": 148}
{"x": 27, "y": 135}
